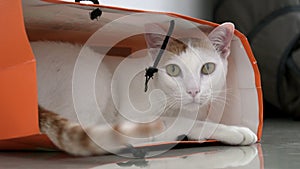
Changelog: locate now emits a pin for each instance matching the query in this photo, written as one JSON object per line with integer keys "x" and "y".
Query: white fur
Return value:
{"x": 55, "y": 66}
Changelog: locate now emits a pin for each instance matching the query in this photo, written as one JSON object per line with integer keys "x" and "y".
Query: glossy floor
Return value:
{"x": 279, "y": 149}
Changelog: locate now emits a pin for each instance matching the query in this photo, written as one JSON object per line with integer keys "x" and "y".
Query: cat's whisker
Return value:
{"x": 168, "y": 107}
{"x": 168, "y": 100}
{"x": 218, "y": 95}
{"x": 220, "y": 101}
{"x": 228, "y": 91}
{"x": 226, "y": 98}
{"x": 216, "y": 105}
{"x": 162, "y": 99}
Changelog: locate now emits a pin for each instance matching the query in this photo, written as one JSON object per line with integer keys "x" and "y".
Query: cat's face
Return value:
{"x": 193, "y": 77}
{"x": 193, "y": 72}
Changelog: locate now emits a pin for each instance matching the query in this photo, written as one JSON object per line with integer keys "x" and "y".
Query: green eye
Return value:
{"x": 173, "y": 70}
{"x": 208, "y": 68}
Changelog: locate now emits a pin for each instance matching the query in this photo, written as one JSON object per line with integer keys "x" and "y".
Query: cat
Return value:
{"x": 192, "y": 75}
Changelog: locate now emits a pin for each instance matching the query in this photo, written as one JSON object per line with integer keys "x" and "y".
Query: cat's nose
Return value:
{"x": 193, "y": 92}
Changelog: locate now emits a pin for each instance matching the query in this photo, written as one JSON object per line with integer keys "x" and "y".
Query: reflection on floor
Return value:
{"x": 201, "y": 157}
{"x": 280, "y": 145}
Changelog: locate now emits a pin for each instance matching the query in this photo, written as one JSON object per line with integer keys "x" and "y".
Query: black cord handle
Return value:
{"x": 153, "y": 69}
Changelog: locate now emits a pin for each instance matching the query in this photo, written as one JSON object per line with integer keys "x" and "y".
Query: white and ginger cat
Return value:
{"x": 189, "y": 73}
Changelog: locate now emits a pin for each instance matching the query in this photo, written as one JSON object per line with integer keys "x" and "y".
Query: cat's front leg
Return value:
{"x": 233, "y": 135}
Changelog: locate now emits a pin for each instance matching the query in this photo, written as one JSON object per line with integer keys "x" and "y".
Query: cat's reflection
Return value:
{"x": 137, "y": 162}
{"x": 206, "y": 158}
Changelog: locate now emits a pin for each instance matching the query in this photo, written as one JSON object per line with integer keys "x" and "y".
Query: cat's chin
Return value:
{"x": 192, "y": 106}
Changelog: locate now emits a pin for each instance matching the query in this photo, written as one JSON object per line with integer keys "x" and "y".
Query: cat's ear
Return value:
{"x": 221, "y": 38}
{"x": 154, "y": 36}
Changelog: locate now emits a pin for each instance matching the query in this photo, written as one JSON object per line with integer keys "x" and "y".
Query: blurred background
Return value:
{"x": 196, "y": 8}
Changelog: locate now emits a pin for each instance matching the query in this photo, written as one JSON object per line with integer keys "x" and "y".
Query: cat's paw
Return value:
{"x": 234, "y": 135}
{"x": 248, "y": 136}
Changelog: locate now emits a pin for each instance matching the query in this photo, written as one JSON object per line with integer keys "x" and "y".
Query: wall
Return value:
{"x": 196, "y": 8}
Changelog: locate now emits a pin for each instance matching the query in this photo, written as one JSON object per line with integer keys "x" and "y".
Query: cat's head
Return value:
{"x": 192, "y": 71}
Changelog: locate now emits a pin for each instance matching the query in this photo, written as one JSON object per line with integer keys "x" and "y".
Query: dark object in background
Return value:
{"x": 95, "y": 13}
{"x": 271, "y": 111}
{"x": 273, "y": 30}
{"x": 94, "y": 1}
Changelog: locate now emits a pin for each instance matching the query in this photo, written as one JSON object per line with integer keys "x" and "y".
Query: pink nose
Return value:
{"x": 193, "y": 92}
